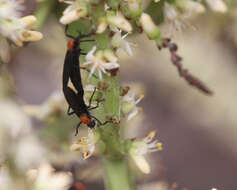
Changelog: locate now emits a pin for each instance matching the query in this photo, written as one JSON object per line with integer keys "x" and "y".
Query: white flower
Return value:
{"x": 119, "y": 41}
{"x": 217, "y": 5}
{"x": 85, "y": 144}
{"x": 97, "y": 61}
{"x": 139, "y": 148}
{"x": 17, "y": 30}
{"x": 129, "y": 104}
{"x": 178, "y": 19}
{"x": 174, "y": 18}
{"x": 47, "y": 179}
{"x": 10, "y": 9}
{"x": 76, "y": 10}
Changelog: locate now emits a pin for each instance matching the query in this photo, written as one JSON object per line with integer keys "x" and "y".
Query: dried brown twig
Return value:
{"x": 176, "y": 60}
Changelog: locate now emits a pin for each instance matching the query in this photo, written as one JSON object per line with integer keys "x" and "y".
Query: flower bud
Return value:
{"x": 217, "y": 5}
{"x": 135, "y": 8}
{"x": 109, "y": 55}
{"x": 152, "y": 31}
{"x": 74, "y": 12}
{"x": 33, "y": 36}
{"x": 195, "y": 7}
{"x": 102, "y": 25}
{"x": 75, "y": 147}
{"x": 28, "y": 21}
{"x": 191, "y": 6}
{"x": 119, "y": 21}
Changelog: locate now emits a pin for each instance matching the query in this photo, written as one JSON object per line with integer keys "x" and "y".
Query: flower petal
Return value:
{"x": 141, "y": 163}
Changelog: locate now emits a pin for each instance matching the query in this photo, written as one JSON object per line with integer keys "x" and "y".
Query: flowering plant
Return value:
{"x": 110, "y": 24}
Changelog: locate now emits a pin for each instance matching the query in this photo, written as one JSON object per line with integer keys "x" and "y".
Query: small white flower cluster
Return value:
{"x": 45, "y": 178}
{"x": 178, "y": 20}
{"x": 15, "y": 28}
{"x": 103, "y": 61}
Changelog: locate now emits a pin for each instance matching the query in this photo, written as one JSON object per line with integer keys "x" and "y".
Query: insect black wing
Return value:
{"x": 74, "y": 101}
{"x": 67, "y": 68}
{"x": 75, "y": 74}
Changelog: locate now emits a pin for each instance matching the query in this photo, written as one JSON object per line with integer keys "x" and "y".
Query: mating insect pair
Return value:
{"x": 71, "y": 70}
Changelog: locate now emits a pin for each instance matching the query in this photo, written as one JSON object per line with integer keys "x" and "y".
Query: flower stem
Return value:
{"x": 42, "y": 12}
{"x": 115, "y": 164}
{"x": 117, "y": 174}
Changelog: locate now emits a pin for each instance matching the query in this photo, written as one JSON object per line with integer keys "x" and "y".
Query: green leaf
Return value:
{"x": 155, "y": 10}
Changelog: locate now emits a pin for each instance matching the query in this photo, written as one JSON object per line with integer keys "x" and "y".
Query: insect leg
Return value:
{"x": 96, "y": 105}
{"x": 91, "y": 98}
{"x": 78, "y": 125}
{"x": 87, "y": 40}
{"x": 108, "y": 121}
{"x": 100, "y": 123}
{"x": 96, "y": 119}
{"x": 84, "y": 36}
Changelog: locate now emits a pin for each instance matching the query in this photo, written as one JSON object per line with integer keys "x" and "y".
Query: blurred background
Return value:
{"x": 198, "y": 132}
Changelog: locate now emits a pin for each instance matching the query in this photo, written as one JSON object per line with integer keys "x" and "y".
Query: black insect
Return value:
{"x": 71, "y": 70}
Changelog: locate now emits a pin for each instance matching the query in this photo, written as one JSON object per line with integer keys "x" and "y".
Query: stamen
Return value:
{"x": 159, "y": 146}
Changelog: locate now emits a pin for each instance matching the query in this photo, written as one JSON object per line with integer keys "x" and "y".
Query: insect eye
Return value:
{"x": 91, "y": 124}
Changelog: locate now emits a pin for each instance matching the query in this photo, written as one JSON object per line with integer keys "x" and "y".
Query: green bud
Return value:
{"x": 150, "y": 28}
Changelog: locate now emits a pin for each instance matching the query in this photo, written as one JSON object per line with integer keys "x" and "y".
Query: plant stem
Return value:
{"x": 117, "y": 174}
{"x": 115, "y": 164}
{"x": 42, "y": 12}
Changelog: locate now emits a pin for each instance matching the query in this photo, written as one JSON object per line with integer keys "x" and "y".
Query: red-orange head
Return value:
{"x": 87, "y": 120}
{"x": 70, "y": 44}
